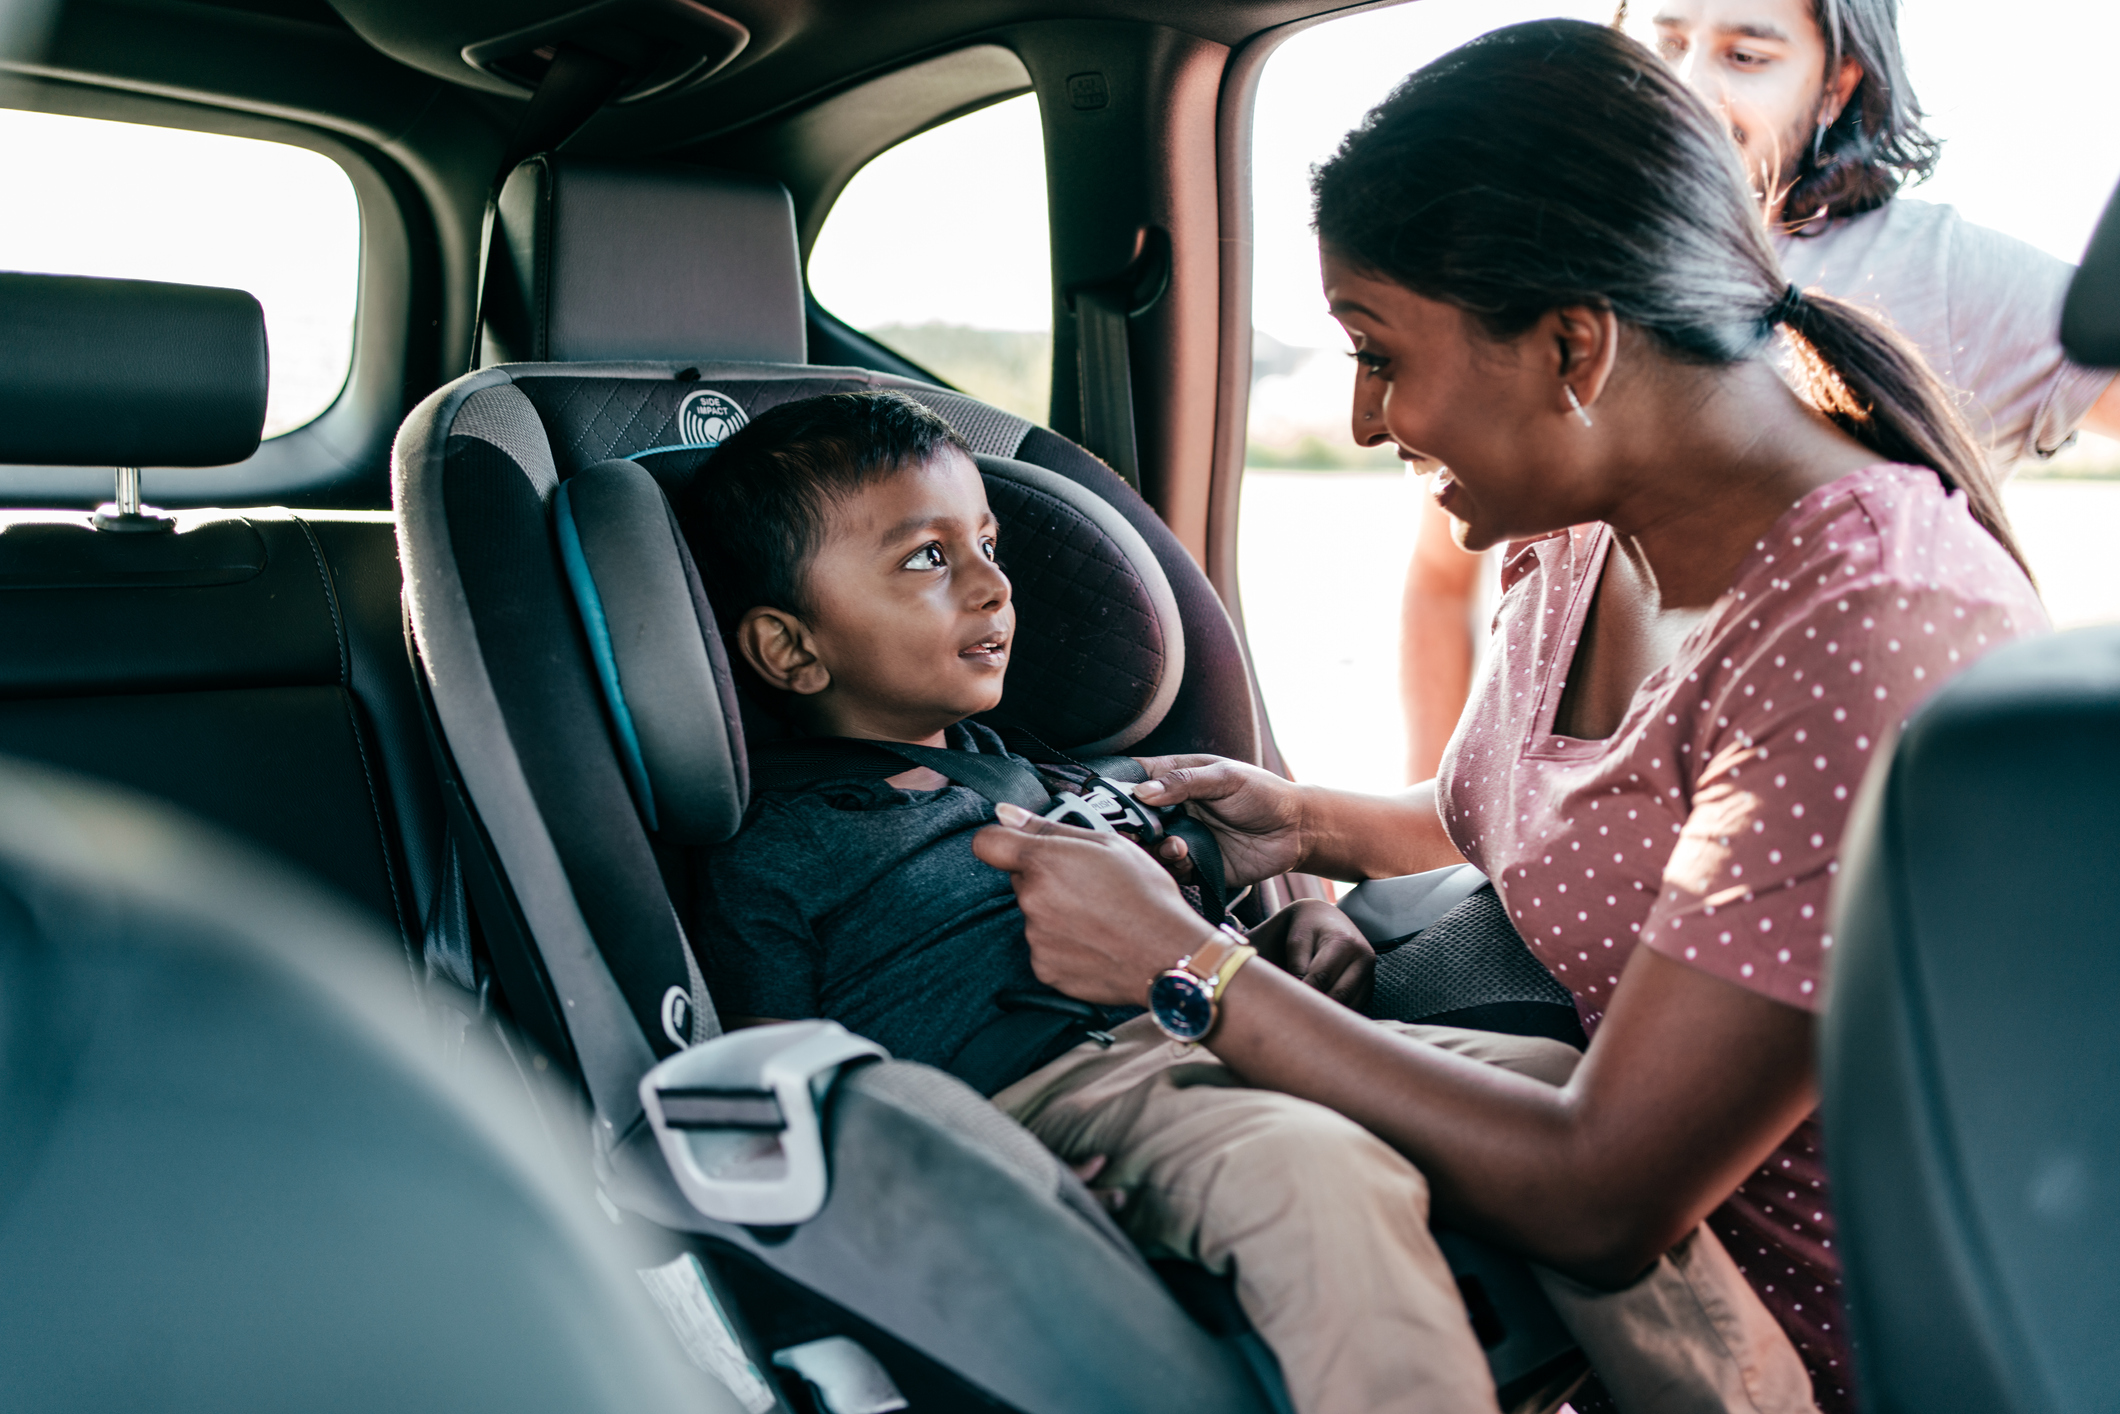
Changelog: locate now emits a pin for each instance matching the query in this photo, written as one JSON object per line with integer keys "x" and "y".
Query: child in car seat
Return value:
{"x": 847, "y": 544}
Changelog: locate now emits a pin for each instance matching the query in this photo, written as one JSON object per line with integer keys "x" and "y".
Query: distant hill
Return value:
{"x": 1009, "y": 368}
{"x": 1013, "y": 369}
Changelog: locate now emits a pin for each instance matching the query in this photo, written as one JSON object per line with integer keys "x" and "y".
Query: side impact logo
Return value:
{"x": 708, "y": 416}
{"x": 677, "y": 1017}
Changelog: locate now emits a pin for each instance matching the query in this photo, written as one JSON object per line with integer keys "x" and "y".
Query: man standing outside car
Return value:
{"x": 1817, "y": 99}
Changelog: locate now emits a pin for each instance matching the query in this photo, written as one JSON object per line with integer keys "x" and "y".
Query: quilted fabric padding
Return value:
{"x": 1091, "y": 651}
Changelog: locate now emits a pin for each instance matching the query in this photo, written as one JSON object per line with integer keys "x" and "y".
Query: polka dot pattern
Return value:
{"x": 1708, "y": 825}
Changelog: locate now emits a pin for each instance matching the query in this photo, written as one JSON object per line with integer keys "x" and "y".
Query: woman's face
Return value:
{"x": 1477, "y": 413}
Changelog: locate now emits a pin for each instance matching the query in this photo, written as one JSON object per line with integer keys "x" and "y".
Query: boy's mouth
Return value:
{"x": 991, "y": 650}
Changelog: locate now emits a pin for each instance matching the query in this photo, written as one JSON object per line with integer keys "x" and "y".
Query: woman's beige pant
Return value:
{"x": 1325, "y": 1229}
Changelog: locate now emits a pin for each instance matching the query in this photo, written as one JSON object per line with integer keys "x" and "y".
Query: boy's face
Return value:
{"x": 909, "y": 622}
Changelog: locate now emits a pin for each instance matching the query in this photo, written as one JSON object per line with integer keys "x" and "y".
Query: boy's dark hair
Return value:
{"x": 756, "y": 512}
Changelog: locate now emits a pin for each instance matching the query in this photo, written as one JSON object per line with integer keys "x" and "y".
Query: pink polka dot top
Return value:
{"x": 1708, "y": 825}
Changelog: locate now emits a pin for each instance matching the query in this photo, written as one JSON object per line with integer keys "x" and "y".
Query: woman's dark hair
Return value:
{"x": 755, "y": 514}
{"x": 1876, "y": 144}
{"x": 1560, "y": 163}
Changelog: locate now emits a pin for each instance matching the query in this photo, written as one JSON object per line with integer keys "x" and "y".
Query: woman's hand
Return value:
{"x": 1313, "y": 940}
{"x": 1102, "y": 917}
{"x": 1257, "y": 816}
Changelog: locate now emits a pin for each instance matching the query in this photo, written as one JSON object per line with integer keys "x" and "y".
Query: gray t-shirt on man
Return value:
{"x": 1983, "y": 307}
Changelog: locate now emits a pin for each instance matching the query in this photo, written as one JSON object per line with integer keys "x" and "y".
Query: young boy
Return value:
{"x": 847, "y": 543}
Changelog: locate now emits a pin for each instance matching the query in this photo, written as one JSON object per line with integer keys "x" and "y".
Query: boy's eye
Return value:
{"x": 986, "y": 547}
{"x": 1369, "y": 360}
{"x": 927, "y": 557}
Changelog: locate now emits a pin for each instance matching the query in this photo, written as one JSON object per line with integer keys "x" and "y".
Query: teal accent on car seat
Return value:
{"x": 673, "y": 447}
{"x": 591, "y": 605}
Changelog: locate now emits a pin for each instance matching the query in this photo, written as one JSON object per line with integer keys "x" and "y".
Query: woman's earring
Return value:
{"x": 1576, "y": 403}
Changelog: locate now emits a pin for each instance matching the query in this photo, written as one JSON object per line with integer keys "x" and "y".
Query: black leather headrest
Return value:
{"x": 2090, "y": 316}
{"x": 605, "y": 260}
{"x": 128, "y": 373}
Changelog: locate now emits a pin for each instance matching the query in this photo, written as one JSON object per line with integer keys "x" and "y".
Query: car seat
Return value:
{"x": 542, "y": 561}
{"x": 1968, "y": 1045}
{"x": 236, "y": 1178}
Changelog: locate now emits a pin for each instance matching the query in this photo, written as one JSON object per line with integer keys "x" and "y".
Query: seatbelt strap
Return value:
{"x": 1107, "y": 379}
{"x": 579, "y": 82}
{"x": 792, "y": 765}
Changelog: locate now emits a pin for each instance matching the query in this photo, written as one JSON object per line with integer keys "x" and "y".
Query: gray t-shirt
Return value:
{"x": 1983, "y": 307}
{"x": 863, "y": 903}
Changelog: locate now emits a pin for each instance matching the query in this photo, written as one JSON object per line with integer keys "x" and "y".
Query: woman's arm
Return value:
{"x": 1267, "y": 825}
{"x": 1436, "y": 645}
{"x": 1690, "y": 1083}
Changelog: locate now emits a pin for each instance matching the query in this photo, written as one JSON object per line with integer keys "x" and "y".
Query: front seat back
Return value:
{"x": 235, "y": 1177}
{"x": 1969, "y": 1048}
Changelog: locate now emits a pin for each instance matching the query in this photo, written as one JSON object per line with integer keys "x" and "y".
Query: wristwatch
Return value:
{"x": 1184, "y": 1000}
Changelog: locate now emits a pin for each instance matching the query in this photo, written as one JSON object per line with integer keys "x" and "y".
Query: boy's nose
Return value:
{"x": 993, "y": 590}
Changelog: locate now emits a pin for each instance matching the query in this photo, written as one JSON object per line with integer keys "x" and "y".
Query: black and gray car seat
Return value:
{"x": 235, "y": 1177}
{"x": 590, "y": 734}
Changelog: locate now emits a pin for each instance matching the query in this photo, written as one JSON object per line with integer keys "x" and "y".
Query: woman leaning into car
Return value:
{"x": 1721, "y": 598}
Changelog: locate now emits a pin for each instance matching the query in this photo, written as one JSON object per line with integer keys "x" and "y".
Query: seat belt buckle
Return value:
{"x": 1108, "y": 807}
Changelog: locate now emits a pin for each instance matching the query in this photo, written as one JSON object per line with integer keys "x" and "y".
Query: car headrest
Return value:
{"x": 658, "y": 656}
{"x": 128, "y": 373}
{"x": 2090, "y": 316}
{"x": 603, "y": 260}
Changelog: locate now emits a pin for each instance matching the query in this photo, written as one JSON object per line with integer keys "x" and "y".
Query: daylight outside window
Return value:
{"x": 961, "y": 287}
{"x": 1326, "y": 529}
{"x": 125, "y": 200}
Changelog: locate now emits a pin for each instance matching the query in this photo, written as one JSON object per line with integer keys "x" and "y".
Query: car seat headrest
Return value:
{"x": 1100, "y": 648}
{"x": 658, "y": 656}
{"x": 128, "y": 373}
{"x": 606, "y": 260}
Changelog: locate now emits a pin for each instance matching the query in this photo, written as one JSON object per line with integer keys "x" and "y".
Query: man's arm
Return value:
{"x": 2104, "y": 416}
{"x": 1435, "y": 641}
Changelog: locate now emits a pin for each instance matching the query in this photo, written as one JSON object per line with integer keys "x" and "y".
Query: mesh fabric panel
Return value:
{"x": 1469, "y": 957}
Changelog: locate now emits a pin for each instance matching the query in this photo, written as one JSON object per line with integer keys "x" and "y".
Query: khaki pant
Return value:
{"x": 1325, "y": 1229}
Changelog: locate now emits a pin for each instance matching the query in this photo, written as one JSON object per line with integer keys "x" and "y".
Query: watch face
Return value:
{"x": 1182, "y": 1005}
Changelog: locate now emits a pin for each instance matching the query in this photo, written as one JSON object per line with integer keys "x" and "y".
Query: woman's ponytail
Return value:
{"x": 1855, "y": 369}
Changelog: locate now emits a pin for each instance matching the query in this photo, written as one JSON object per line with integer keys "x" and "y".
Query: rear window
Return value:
{"x": 89, "y": 197}
{"x": 961, "y": 287}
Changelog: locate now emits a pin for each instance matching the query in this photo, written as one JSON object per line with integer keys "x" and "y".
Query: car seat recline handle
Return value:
{"x": 738, "y": 1121}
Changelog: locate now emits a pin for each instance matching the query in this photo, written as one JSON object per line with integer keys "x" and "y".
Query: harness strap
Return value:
{"x": 792, "y": 765}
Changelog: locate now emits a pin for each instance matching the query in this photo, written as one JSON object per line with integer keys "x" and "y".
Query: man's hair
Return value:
{"x": 1876, "y": 144}
{"x": 755, "y": 514}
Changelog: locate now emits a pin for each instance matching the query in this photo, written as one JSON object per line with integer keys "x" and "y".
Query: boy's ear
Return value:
{"x": 779, "y": 649}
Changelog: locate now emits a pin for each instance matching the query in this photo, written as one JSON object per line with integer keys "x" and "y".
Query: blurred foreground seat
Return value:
{"x": 232, "y": 1176}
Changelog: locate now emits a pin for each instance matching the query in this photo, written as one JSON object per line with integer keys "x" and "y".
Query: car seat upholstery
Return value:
{"x": 237, "y": 1179}
{"x": 1968, "y": 1045}
{"x": 538, "y": 544}
{"x": 249, "y": 664}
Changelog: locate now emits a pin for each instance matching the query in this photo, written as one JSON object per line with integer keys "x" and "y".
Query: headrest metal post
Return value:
{"x": 125, "y": 514}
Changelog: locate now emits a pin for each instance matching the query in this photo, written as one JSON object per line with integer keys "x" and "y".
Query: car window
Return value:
{"x": 89, "y": 197}
{"x": 960, "y": 285}
{"x": 1326, "y": 529}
